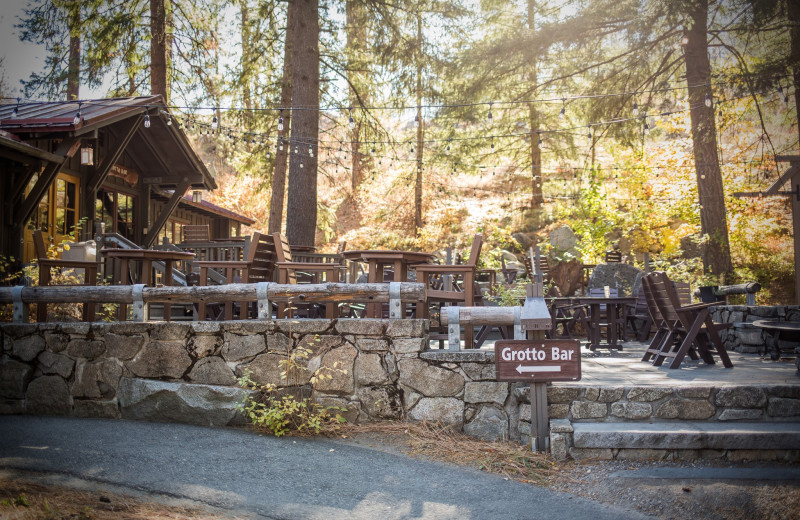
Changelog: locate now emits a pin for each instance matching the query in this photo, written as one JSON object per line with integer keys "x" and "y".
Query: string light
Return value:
{"x": 707, "y": 101}
{"x": 490, "y": 116}
{"x": 77, "y": 119}
{"x": 15, "y": 112}
{"x": 280, "y": 122}
{"x": 147, "y": 120}
{"x": 214, "y": 123}
{"x": 635, "y": 110}
{"x": 310, "y": 151}
{"x": 352, "y": 122}
{"x": 563, "y": 108}
{"x": 539, "y": 135}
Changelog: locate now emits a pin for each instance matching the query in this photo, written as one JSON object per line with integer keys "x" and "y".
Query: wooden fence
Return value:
{"x": 264, "y": 293}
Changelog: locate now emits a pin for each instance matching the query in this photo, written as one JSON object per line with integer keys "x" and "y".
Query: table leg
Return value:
{"x": 594, "y": 328}
{"x": 611, "y": 332}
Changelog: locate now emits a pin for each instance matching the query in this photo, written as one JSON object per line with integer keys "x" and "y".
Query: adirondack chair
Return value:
{"x": 463, "y": 290}
{"x": 692, "y": 323}
{"x": 639, "y": 317}
{"x": 663, "y": 332}
{"x": 45, "y": 276}
{"x": 288, "y": 271}
{"x": 258, "y": 266}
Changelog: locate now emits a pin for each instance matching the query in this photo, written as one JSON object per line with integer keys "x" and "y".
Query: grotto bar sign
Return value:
{"x": 538, "y": 361}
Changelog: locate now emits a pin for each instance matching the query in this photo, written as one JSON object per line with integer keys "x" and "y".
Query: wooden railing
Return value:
{"x": 395, "y": 294}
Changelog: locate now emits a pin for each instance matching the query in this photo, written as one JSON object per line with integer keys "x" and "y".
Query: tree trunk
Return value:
{"x": 246, "y": 63}
{"x": 420, "y": 125}
{"x": 279, "y": 175}
{"x": 301, "y": 211}
{"x": 357, "y": 75}
{"x": 74, "y": 64}
{"x": 793, "y": 12}
{"x": 713, "y": 221}
{"x": 533, "y": 118}
{"x": 158, "y": 49}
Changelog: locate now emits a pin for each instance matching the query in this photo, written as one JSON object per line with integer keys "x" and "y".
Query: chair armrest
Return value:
{"x": 232, "y": 264}
{"x": 444, "y": 269}
{"x": 698, "y": 306}
{"x": 55, "y": 262}
{"x": 307, "y": 266}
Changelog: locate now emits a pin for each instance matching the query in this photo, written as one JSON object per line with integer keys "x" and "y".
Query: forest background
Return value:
{"x": 415, "y": 124}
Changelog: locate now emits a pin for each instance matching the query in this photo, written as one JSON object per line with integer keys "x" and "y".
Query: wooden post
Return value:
{"x": 792, "y": 176}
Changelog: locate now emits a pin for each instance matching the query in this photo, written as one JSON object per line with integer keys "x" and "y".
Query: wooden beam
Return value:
{"x": 156, "y": 152}
{"x": 102, "y": 171}
{"x": 793, "y": 171}
{"x": 166, "y": 211}
{"x": 65, "y": 150}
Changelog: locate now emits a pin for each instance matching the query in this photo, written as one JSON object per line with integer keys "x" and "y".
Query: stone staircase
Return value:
{"x": 776, "y": 441}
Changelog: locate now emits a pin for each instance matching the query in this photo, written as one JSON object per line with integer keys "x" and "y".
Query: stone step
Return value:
{"x": 688, "y": 436}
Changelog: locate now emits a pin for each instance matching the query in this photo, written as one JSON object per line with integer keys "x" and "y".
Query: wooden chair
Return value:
{"x": 196, "y": 233}
{"x": 463, "y": 275}
{"x": 45, "y": 275}
{"x": 692, "y": 323}
{"x": 258, "y": 266}
{"x": 543, "y": 264}
{"x": 639, "y": 317}
{"x": 684, "y": 291}
{"x": 288, "y": 271}
{"x": 663, "y": 332}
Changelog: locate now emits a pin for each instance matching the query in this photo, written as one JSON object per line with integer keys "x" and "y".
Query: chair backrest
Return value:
{"x": 666, "y": 296}
{"x": 649, "y": 296}
{"x": 260, "y": 259}
{"x": 341, "y": 247}
{"x": 38, "y": 244}
{"x": 613, "y": 257}
{"x": 684, "y": 291}
{"x": 196, "y": 233}
{"x": 600, "y": 292}
{"x": 475, "y": 252}
{"x": 284, "y": 254}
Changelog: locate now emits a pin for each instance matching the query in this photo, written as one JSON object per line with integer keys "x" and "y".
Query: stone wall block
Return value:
{"x": 734, "y": 414}
{"x": 370, "y": 370}
{"x": 85, "y": 349}
{"x": 372, "y": 344}
{"x": 407, "y": 328}
{"x": 695, "y": 393}
{"x": 687, "y": 409}
{"x": 237, "y": 348}
{"x": 409, "y": 345}
{"x": 348, "y": 409}
{"x": 430, "y": 380}
{"x": 123, "y": 347}
{"x": 490, "y": 424}
{"x": 647, "y": 393}
{"x": 486, "y": 392}
{"x": 339, "y": 363}
{"x": 741, "y": 397}
{"x": 127, "y": 328}
{"x": 278, "y": 342}
{"x": 783, "y": 407}
{"x": 205, "y": 327}
{"x": 381, "y": 402}
{"x": 97, "y": 380}
{"x": 789, "y": 391}
{"x": 78, "y": 328}
{"x": 28, "y": 348}
{"x": 296, "y": 328}
{"x": 588, "y": 410}
{"x": 361, "y": 327}
{"x": 161, "y": 359}
{"x": 212, "y": 371}
{"x": 56, "y": 364}
{"x": 320, "y": 343}
{"x": 264, "y": 369}
{"x": 525, "y": 412}
{"x": 14, "y": 378}
{"x": 632, "y": 410}
{"x": 604, "y": 394}
{"x": 562, "y": 394}
{"x": 55, "y": 342}
{"x": 48, "y": 395}
{"x": 478, "y": 371}
{"x": 250, "y": 327}
{"x": 445, "y": 410}
{"x": 166, "y": 331}
{"x": 203, "y": 345}
{"x": 556, "y": 411}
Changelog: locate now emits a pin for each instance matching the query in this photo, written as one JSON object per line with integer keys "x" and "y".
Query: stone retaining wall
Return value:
{"x": 186, "y": 372}
{"x": 748, "y": 339}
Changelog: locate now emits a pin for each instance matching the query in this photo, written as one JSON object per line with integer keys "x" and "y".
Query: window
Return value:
{"x": 66, "y": 206}
{"x": 117, "y": 211}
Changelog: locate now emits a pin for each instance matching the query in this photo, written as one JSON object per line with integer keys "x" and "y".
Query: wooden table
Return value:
{"x": 146, "y": 257}
{"x": 379, "y": 259}
{"x": 776, "y": 329}
{"x": 614, "y": 316}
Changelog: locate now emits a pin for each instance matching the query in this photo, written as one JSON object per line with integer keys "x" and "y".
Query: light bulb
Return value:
{"x": 296, "y": 150}
{"x": 563, "y": 109}
{"x": 146, "y": 120}
{"x": 707, "y": 101}
{"x": 214, "y": 123}
{"x": 77, "y": 119}
{"x": 539, "y": 135}
{"x": 489, "y": 117}
{"x": 280, "y": 124}
{"x": 416, "y": 119}
{"x": 635, "y": 110}
{"x": 310, "y": 152}
{"x": 14, "y": 113}
{"x": 685, "y": 40}
{"x": 301, "y": 165}
{"x": 169, "y": 120}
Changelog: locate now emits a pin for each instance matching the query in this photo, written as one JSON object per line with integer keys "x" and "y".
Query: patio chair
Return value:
{"x": 692, "y": 323}
{"x": 663, "y": 332}
{"x": 639, "y": 317}
{"x": 463, "y": 290}
{"x": 288, "y": 271}
{"x": 258, "y": 266}
{"x": 45, "y": 275}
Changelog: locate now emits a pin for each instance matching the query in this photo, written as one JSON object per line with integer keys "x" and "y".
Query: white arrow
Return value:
{"x": 542, "y": 368}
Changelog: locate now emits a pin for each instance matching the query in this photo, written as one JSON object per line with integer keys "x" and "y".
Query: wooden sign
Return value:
{"x": 538, "y": 361}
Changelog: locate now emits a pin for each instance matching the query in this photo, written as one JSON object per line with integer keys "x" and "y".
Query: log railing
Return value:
{"x": 395, "y": 293}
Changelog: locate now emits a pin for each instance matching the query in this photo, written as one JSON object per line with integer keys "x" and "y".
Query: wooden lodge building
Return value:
{"x": 124, "y": 165}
